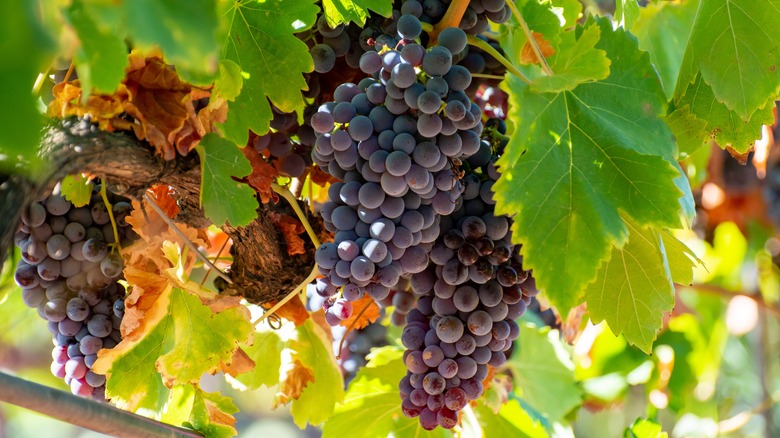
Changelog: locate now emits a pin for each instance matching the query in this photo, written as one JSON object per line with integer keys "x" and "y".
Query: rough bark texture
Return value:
{"x": 262, "y": 271}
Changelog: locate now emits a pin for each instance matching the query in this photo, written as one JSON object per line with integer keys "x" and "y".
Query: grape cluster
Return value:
{"x": 288, "y": 146}
{"x": 469, "y": 298}
{"x": 69, "y": 272}
{"x": 393, "y": 139}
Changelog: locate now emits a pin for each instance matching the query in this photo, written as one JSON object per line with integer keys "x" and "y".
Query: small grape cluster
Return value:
{"x": 358, "y": 344}
{"x": 476, "y": 18}
{"x": 288, "y": 146}
{"x": 69, "y": 272}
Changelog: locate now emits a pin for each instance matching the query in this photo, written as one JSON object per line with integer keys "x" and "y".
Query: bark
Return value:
{"x": 262, "y": 271}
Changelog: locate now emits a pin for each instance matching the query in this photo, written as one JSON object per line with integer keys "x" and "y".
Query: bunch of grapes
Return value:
{"x": 475, "y": 20}
{"x": 394, "y": 139}
{"x": 69, "y": 272}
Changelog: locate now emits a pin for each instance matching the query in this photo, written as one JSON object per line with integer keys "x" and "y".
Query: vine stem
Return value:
{"x": 486, "y": 76}
{"x": 286, "y": 194}
{"x": 289, "y": 296}
{"x": 216, "y": 257}
{"x": 451, "y": 18}
{"x": 110, "y": 209}
{"x": 352, "y": 324}
{"x": 717, "y": 290}
{"x": 530, "y": 36}
{"x": 187, "y": 241}
{"x": 100, "y": 417}
{"x": 476, "y": 42}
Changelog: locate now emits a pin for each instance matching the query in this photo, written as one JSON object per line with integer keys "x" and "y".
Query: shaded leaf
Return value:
{"x": 263, "y": 174}
{"x": 544, "y": 373}
{"x": 224, "y": 199}
{"x": 344, "y": 11}
{"x": 290, "y": 228}
{"x": 189, "y": 40}
{"x": 102, "y": 55}
{"x": 511, "y": 420}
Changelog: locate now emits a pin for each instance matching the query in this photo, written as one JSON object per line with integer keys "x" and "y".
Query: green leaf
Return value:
{"x": 230, "y": 80}
{"x": 680, "y": 258}
{"x": 77, "y": 189}
{"x": 102, "y": 55}
{"x": 645, "y": 429}
{"x": 663, "y": 30}
{"x": 200, "y": 333}
{"x": 185, "y": 30}
{"x": 266, "y": 351}
{"x": 576, "y": 159}
{"x": 262, "y": 42}
{"x": 27, "y": 48}
{"x": 223, "y": 198}
{"x": 627, "y": 13}
{"x": 569, "y": 11}
{"x": 634, "y": 288}
{"x": 735, "y": 53}
{"x": 317, "y": 401}
{"x": 576, "y": 62}
{"x": 544, "y": 373}
{"x": 372, "y": 398}
{"x": 344, "y": 11}
{"x": 511, "y": 421}
{"x": 701, "y": 117}
{"x": 133, "y": 382}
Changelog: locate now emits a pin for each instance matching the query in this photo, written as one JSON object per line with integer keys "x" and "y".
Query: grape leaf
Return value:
{"x": 511, "y": 420}
{"x": 544, "y": 373}
{"x": 266, "y": 350}
{"x": 627, "y": 13}
{"x": 261, "y": 41}
{"x": 373, "y": 398}
{"x": 568, "y": 11}
{"x": 212, "y": 414}
{"x": 132, "y": 380}
{"x": 77, "y": 189}
{"x": 201, "y": 333}
{"x": 230, "y": 81}
{"x": 645, "y": 429}
{"x": 102, "y": 55}
{"x": 224, "y": 199}
{"x": 737, "y": 56}
{"x": 316, "y": 403}
{"x": 634, "y": 288}
{"x": 26, "y": 47}
{"x": 344, "y": 11}
{"x": 713, "y": 120}
{"x": 663, "y": 30}
{"x": 578, "y": 158}
{"x": 576, "y": 62}
{"x": 188, "y": 40}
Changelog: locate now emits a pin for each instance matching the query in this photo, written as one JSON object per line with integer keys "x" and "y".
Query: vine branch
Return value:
{"x": 476, "y": 42}
{"x": 451, "y": 18}
{"x": 90, "y": 414}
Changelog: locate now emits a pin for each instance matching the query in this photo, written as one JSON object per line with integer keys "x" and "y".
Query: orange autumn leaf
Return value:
{"x": 263, "y": 174}
{"x": 240, "y": 363}
{"x": 162, "y": 195}
{"x": 360, "y": 317}
{"x": 102, "y": 109}
{"x": 292, "y": 310}
{"x": 296, "y": 380}
{"x": 290, "y": 229}
{"x": 527, "y": 55}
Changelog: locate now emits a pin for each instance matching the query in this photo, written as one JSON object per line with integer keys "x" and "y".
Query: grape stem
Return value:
{"x": 486, "y": 76}
{"x": 481, "y": 44}
{"x": 216, "y": 257}
{"x": 351, "y": 325}
{"x": 286, "y": 194}
{"x": 451, "y": 18}
{"x": 187, "y": 241}
{"x": 110, "y": 209}
{"x": 530, "y": 36}
{"x": 289, "y": 296}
